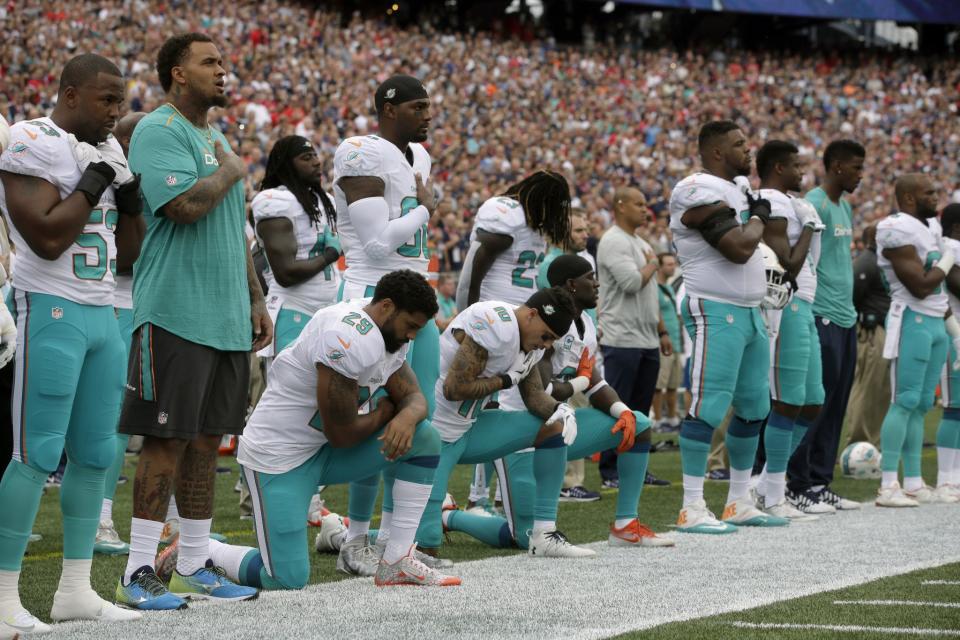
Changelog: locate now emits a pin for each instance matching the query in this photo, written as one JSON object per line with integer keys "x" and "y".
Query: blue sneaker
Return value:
{"x": 210, "y": 583}
{"x": 146, "y": 593}
{"x": 578, "y": 494}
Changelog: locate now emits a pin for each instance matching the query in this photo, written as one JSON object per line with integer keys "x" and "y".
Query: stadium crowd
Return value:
{"x": 507, "y": 107}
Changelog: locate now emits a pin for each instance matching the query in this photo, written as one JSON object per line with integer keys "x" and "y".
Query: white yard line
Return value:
{"x": 847, "y": 628}
{"x": 618, "y": 591}
{"x": 899, "y": 603}
{"x": 947, "y": 582}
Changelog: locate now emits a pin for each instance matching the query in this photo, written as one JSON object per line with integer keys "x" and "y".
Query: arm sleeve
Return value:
{"x": 379, "y": 235}
{"x": 165, "y": 163}
{"x": 616, "y": 256}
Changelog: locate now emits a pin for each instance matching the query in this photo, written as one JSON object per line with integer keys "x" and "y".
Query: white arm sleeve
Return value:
{"x": 378, "y": 234}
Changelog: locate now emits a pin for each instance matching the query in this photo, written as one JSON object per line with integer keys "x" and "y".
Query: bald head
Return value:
{"x": 629, "y": 207}
{"x": 916, "y": 195}
{"x": 124, "y": 129}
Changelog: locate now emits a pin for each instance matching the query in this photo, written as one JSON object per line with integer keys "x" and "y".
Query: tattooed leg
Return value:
{"x": 196, "y": 478}
{"x": 155, "y": 473}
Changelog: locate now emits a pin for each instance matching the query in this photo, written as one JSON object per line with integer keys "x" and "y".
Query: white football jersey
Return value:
{"x": 493, "y": 326}
{"x": 312, "y": 238}
{"x": 374, "y": 156}
{"x": 706, "y": 273}
{"x": 900, "y": 230}
{"x": 84, "y": 273}
{"x": 564, "y": 361}
{"x": 285, "y": 429}
{"x": 123, "y": 293}
{"x": 781, "y": 207}
{"x": 513, "y": 275}
{"x": 953, "y": 245}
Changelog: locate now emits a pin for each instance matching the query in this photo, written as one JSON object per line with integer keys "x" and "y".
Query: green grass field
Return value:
{"x": 581, "y": 522}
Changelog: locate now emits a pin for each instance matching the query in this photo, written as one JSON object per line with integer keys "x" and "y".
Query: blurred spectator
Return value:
{"x": 446, "y": 297}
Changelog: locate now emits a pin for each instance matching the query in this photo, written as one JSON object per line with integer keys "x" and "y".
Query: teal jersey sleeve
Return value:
{"x": 164, "y": 161}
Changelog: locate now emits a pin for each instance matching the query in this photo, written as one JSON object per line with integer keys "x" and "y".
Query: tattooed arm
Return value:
{"x": 535, "y": 398}
{"x": 463, "y": 380}
{"x": 411, "y": 409}
{"x": 337, "y": 400}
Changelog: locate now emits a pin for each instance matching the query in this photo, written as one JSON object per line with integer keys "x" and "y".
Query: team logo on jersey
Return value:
{"x": 568, "y": 343}
{"x": 17, "y": 148}
{"x": 352, "y": 159}
{"x": 171, "y": 180}
{"x": 56, "y": 313}
{"x": 336, "y": 354}
{"x": 208, "y": 158}
{"x": 479, "y": 326}
{"x": 162, "y": 417}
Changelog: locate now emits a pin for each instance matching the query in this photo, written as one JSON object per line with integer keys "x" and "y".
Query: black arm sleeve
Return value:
{"x": 717, "y": 225}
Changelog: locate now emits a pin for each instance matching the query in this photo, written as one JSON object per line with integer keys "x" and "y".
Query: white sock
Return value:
{"x": 912, "y": 484}
{"x": 955, "y": 476}
{"x": 172, "y": 513}
{"x": 445, "y": 517}
{"x": 739, "y": 484}
{"x": 106, "y": 510}
{"x": 478, "y": 488}
{"x": 692, "y": 489}
{"x": 762, "y": 483}
{"x": 75, "y": 576}
{"x": 945, "y": 463}
{"x": 409, "y": 501}
{"x": 144, "y": 540}
{"x": 357, "y": 528}
{"x": 194, "y": 545}
{"x": 228, "y": 557}
{"x": 386, "y": 519}
{"x": 620, "y": 523}
{"x": 496, "y": 494}
{"x": 888, "y": 479}
{"x": 9, "y": 594}
{"x": 776, "y": 486}
{"x": 544, "y": 525}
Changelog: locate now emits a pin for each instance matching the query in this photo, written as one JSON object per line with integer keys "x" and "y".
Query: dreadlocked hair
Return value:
{"x": 545, "y": 198}
{"x": 281, "y": 172}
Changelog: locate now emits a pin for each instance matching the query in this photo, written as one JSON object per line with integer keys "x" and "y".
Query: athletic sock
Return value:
{"x": 10, "y": 604}
{"x": 106, "y": 510}
{"x": 81, "y": 497}
{"x": 800, "y": 427}
{"x": 739, "y": 484}
{"x": 893, "y": 433}
{"x": 194, "y": 545}
{"x": 620, "y": 523}
{"x": 172, "y": 513}
{"x": 888, "y": 478}
{"x": 549, "y": 467}
{"x": 491, "y": 530}
{"x": 778, "y": 441}
{"x": 945, "y": 456}
{"x": 386, "y": 519}
{"x": 695, "y": 436}
{"x": 20, "y": 492}
{"x": 363, "y": 497}
{"x": 479, "y": 490}
{"x": 913, "y": 449}
{"x": 144, "y": 540}
{"x": 632, "y": 470}
{"x": 75, "y": 576}
{"x": 230, "y": 558}
{"x": 912, "y": 483}
{"x": 741, "y": 439}
{"x": 762, "y": 482}
{"x": 692, "y": 489}
{"x": 357, "y": 528}
{"x": 409, "y": 501}
{"x": 544, "y": 525}
{"x": 113, "y": 471}
{"x": 948, "y": 446}
{"x": 775, "y": 488}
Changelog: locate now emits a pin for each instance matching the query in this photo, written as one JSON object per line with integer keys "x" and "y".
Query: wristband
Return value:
{"x": 129, "y": 202}
{"x": 94, "y": 181}
{"x": 580, "y": 384}
{"x": 505, "y": 380}
{"x": 617, "y": 409}
{"x": 592, "y": 390}
{"x": 548, "y": 390}
{"x": 945, "y": 263}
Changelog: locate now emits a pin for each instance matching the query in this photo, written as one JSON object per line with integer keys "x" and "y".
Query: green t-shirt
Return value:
{"x": 190, "y": 279}
{"x": 668, "y": 311}
{"x": 834, "y": 299}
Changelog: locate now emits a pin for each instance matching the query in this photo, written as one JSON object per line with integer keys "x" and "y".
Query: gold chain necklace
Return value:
{"x": 206, "y": 132}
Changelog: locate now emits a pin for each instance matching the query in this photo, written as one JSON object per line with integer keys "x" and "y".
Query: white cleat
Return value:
{"x": 743, "y": 513}
{"x": 333, "y": 531}
{"x": 810, "y": 502}
{"x": 893, "y": 497}
{"x": 420, "y": 556}
{"x": 635, "y": 535}
{"x": 696, "y": 518}
{"x": 108, "y": 541}
{"x": 929, "y": 495}
{"x": 316, "y": 511}
{"x": 87, "y": 605}
{"x": 786, "y": 510}
{"x": 358, "y": 557}
{"x": 22, "y": 623}
{"x": 553, "y": 544}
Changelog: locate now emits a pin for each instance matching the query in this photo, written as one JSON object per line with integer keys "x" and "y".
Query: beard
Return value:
{"x": 220, "y": 100}
{"x": 926, "y": 212}
{"x": 391, "y": 342}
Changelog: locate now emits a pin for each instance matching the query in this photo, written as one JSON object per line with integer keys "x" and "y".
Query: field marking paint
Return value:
{"x": 899, "y": 603}
{"x": 846, "y": 628}
{"x": 948, "y": 582}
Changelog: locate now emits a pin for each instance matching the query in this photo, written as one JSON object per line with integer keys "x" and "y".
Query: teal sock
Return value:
{"x": 20, "y": 492}
{"x": 778, "y": 442}
{"x": 800, "y": 427}
{"x": 363, "y": 497}
{"x": 632, "y": 470}
{"x": 389, "y": 476}
{"x": 490, "y": 530}
{"x": 695, "y": 437}
{"x": 913, "y": 444}
{"x": 251, "y": 569}
{"x": 948, "y": 433}
{"x": 742, "y": 439}
{"x": 113, "y": 473}
{"x": 81, "y": 496}
{"x": 893, "y": 432}
{"x": 549, "y": 467}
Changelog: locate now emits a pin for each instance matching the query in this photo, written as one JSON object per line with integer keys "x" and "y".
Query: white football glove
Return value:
{"x": 807, "y": 214}
{"x": 114, "y": 157}
{"x": 522, "y": 366}
{"x": 8, "y": 336}
{"x": 565, "y": 414}
{"x": 83, "y": 153}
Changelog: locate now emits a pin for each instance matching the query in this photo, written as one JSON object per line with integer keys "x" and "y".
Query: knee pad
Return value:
{"x": 908, "y": 399}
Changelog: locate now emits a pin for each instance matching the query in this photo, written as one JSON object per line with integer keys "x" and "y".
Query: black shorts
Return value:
{"x": 181, "y": 389}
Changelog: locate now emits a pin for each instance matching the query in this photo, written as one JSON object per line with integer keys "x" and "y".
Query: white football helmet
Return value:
{"x": 778, "y": 294}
